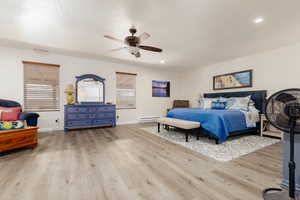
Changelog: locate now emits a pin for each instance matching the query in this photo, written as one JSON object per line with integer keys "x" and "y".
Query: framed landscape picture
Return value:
{"x": 160, "y": 88}
{"x": 240, "y": 79}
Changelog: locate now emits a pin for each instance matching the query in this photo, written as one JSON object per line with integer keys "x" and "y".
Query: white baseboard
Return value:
{"x": 148, "y": 119}
{"x": 126, "y": 123}
{"x": 49, "y": 129}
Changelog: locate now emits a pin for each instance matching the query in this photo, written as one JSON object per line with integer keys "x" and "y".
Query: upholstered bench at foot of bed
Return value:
{"x": 187, "y": 126}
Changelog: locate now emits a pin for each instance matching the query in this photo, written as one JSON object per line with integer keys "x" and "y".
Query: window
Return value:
{"x": 126, "y": 90}
{"x": 41, "y": 87}
{"x": 160, "y": 89}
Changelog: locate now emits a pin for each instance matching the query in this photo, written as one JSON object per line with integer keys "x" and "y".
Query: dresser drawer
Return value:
{"x": 77, "y": 109}
{"x": 74, "y": 116}
{"x": 103, "y": 122}
{"x": 79, "y": 123}
{"x": 106, "y": 109}
{"x": 106, "y": 115}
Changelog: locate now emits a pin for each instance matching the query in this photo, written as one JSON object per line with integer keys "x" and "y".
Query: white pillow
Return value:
{"x": 223, "y": 99}
{"x": 206, "y": 102}
{"x": 238, "y": 103}
{"x": 252, "y": 108}
{"x": 200, "y": 103}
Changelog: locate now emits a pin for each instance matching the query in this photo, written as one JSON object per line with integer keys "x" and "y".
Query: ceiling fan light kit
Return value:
{"x": 282, "y": 110}
{"x": 133, "y": 43}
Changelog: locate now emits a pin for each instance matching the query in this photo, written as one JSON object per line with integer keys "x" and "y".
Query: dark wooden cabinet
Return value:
{"x": 14, "y": 139}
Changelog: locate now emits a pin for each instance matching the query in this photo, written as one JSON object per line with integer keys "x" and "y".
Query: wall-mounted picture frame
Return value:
{"x": 241, "y": 79}
{"x": 160, "y": 88}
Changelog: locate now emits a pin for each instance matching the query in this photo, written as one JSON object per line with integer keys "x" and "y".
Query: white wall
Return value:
{"x": 272, "y": 71}
{"x": 11, "y": 81}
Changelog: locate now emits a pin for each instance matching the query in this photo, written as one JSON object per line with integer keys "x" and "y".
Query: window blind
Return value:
{"x": 126, "y": 90}
{"x": 41, "y": 87}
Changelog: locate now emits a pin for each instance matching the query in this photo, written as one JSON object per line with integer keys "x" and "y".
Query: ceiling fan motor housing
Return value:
{"x": 132, "y": 41}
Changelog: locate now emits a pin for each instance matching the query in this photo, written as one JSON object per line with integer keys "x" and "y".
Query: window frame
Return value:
{"x": 58, "y": 96}
{"x": 126, "y": 73}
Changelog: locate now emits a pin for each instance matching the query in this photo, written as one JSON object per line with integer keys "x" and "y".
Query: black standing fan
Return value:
{"x": 283, "y": 112}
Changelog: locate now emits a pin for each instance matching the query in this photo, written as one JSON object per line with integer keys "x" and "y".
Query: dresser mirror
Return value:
{"x": 90, "y": 89}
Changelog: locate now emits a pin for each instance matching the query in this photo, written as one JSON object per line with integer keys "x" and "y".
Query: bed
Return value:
{"x": 221, "y": 124}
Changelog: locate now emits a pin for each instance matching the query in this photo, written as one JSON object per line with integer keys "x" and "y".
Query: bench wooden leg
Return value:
{"x": 196, "y": 131}
{"x": 158, "y": 127}
{"x": 186, "y": 136}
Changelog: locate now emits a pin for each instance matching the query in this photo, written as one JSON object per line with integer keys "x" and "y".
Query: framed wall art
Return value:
{"x": 160, "y": 88}
{"x": 233, "y": 80}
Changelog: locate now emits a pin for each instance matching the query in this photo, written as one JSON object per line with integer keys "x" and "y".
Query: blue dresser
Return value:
{"x": 89, "y": 116}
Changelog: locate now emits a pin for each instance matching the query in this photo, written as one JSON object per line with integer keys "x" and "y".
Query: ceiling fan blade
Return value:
{"x": 144, "y": 36}
{"x": 117, "y": 49}
{"x": 113, "y": 38}
{"x": 149, "y": 48}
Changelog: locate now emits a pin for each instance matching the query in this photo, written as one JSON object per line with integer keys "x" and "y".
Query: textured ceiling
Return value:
{"x": 191, "y": 32}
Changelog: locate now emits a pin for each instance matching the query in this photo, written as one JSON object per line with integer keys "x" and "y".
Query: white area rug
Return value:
{"x": 231, "y": 149}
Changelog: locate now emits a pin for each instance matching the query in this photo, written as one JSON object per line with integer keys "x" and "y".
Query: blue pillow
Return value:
{"x": 218, "y": 105}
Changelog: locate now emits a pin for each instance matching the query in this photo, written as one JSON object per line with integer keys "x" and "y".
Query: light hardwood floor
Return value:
{"x": 125, "y": 163}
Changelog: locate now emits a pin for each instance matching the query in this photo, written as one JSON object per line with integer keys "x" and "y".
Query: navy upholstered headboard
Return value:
{"x": 259, "y": 97}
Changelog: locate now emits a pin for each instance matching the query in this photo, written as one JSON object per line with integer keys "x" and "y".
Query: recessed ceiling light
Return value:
{"x": 258, "y": 20}
{"x": 162, "y": 62}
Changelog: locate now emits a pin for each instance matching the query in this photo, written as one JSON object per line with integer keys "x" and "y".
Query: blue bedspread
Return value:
{"x": 219, "y": 123}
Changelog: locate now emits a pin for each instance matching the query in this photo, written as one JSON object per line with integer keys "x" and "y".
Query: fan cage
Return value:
{"x": 275, "y": 109}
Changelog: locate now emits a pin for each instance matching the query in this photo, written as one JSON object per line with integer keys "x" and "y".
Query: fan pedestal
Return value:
{"x": 286, "y": 159}
{"x": 284, "y": 195}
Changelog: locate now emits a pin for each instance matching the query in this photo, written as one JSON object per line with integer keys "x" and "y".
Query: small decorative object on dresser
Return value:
{"x": 90, "y": 109}
{"x": 267, "y": 129}
{"x": 70, "y": 94}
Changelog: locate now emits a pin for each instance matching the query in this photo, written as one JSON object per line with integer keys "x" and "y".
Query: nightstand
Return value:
{"x": 267, "y": 129}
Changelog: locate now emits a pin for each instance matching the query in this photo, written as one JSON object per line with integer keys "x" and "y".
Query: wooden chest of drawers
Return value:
{"x": 88, "y": 116}
{"x": 14, "y": 139}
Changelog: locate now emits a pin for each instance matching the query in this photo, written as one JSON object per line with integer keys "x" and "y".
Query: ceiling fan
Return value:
{"x": 133, "y": 43}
